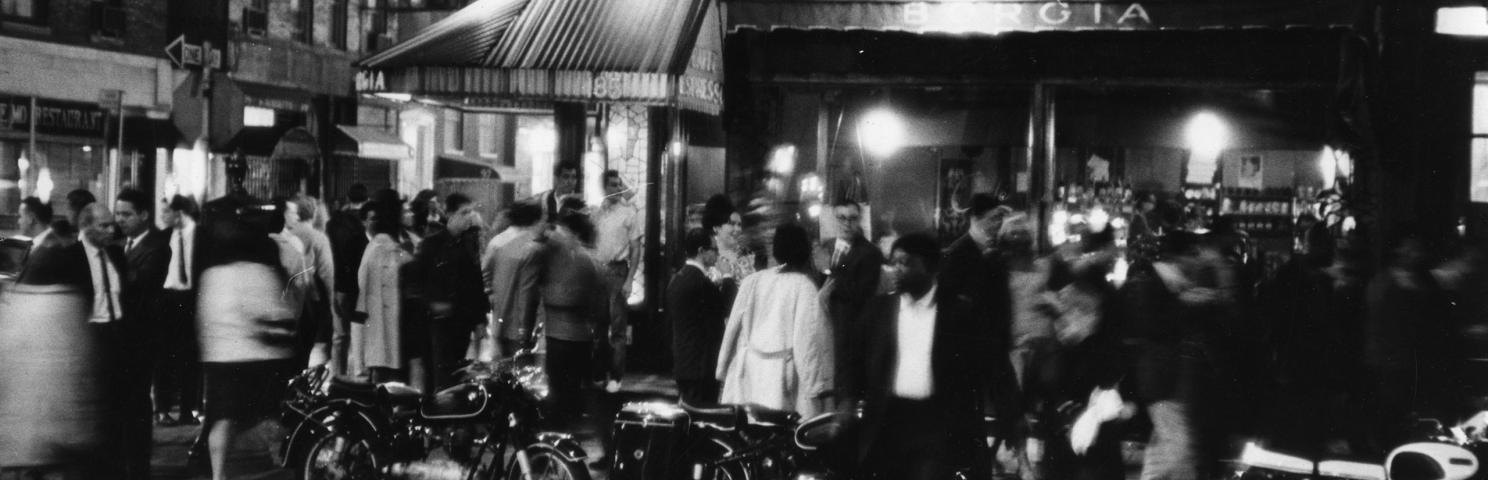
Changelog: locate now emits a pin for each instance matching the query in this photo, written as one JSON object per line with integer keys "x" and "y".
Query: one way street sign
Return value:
{"x": 186, "y": 55}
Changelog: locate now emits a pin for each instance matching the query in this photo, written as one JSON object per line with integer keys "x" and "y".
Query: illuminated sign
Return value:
{"x": 1023, "y": 16}
{"x": 52, "y": 117}
{"x": 370, "y": 81}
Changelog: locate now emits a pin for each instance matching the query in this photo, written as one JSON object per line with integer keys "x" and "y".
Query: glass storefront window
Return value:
{"x": 537, "y": 140}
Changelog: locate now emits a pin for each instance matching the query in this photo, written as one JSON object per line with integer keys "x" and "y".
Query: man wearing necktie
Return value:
{"x": 98, "y": 236}
{"x": 852, "y": 280}
{"x": 178, "y": 364}
{"x": 147, "y": 253}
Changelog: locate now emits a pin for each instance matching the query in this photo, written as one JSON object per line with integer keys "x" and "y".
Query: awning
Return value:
{"x": 639, "y": 51}
{"x": 372, "y": 142}
{"x": 998, "y": 16}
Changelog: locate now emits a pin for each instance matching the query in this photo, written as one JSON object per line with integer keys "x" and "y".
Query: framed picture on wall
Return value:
{"x": 953, "y": 198}
{"x": 1250, "y": 175}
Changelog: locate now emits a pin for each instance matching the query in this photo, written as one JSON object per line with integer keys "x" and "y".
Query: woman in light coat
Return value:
{"x": 377, "y": 341}
{"x": 777, "y": 349}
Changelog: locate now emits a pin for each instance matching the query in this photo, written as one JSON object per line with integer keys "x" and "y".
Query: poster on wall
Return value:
{"x": 1250, "y": 172}
{"x": 953, "y": 198}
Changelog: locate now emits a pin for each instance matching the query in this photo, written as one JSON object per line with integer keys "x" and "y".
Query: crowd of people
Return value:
{"x": 114, "y": 325}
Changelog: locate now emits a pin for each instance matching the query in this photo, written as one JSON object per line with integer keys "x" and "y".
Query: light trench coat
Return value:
{"x": 777, "y": 349}
{"x": 378, "y": 342}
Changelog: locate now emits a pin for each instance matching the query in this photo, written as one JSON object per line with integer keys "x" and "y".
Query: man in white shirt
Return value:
{"x": 618, "y": 246}
{"x": 35, "y": 221}
{"x": 919, "y": 373}
{"x": 98, "y": 234}
{"x": 178, "y": 375}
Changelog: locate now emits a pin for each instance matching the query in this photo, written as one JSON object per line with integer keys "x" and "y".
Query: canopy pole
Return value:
{"x": 1040, "y": 163}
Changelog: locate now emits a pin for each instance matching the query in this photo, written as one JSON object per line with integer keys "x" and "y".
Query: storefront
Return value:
{"x": 60, "y": 122}
{"x": 522, "y": 86}
{"x": 1065, "y": 110}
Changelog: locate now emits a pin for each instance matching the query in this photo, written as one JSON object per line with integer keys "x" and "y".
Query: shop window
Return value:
{"x": 454, "y": 131}
{"x": 488, "y": 135}
{"x": 1478, "y": 190}
{"x": 537, "y": 142}
{"x": 340, "y": 11}
{"x": 31, "y": 11}
{"x": 304, "y": 20}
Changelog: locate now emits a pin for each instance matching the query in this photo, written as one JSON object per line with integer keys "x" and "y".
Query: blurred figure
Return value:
{"x": 620, "y": 229}
{"x": 53, "y": 403}
{"x": 735, "y": 262}
{"x": 574, "y": 305}
{"x": 377, "y": 341}
{"x": 1163, "y": 305}
{"x": 35, "y": 221}
{"x": 300, "y": 217}
{"x": 147, "y": 253}
{"x": 178, "y": 370}
{"x": 76, "y": 200}
{"x": 247, "y": 317}
{"x": 920, "y": 370}
{"x": 852, "y": 280}
{"x": 444, "y": 284}
{"x": 349, "y": 238}
{"x": 99, "y": 237}
{"x": 427, "y": 214}
{"x": 777, "y": 348}
{"x": 1409, "y": 346}
{"x": 513, "y": 272}
{"x": 696, "y": 310}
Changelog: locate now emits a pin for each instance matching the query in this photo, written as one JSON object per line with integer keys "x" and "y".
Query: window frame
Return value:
{"x": 305, "y": 22}
{"x": 454, "y": 131}
{"x": 341, "y": 24}
{"x": 38, "y": 15}
{"x": 1477, "y": 159}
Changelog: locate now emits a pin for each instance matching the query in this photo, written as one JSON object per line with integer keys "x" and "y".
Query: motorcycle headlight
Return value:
{"x": 535, "y": 383}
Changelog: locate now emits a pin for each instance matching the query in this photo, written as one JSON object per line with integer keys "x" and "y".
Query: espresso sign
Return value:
{"x": 52, "y": 116}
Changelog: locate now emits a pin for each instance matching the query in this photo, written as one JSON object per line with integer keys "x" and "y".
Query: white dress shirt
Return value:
{"x": 105, "y": 276}
{"x": 182, "y": 243}
{"x": 40, "y": 238}
{"x": 916, "y": 334}
{"x": 134, "y": 241}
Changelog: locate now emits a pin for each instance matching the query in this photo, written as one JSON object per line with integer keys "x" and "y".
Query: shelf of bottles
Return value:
{"x": 1263, "y": 213}
{"x": 1080, "y": 208}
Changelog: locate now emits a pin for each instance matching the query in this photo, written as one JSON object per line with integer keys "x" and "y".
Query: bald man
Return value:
{"x": 128, "y": 435}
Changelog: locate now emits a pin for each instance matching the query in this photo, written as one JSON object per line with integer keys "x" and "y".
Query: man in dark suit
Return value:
{"x": 976, "y": 274}
{"x": 851, "y": 280}
{"x": 446, "y": 285}
{"x": 147, "y": 254}
{"x": 695, "y": 308}
{"x": 349, "y": 236}
{"x": 919, "y": 373}
{"x": 178, "y": 374}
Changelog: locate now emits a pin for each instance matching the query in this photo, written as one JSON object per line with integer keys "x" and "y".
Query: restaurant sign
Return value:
{"x": 996, "y": 16}
{"x": 52, "y": 116}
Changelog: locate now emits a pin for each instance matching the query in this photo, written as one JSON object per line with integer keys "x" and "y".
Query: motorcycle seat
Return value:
{"x": 358, "y": 391}
{"x": 723, "y": 418}
{"x": 769, "y": 417}
{"x": 399, "y": 395}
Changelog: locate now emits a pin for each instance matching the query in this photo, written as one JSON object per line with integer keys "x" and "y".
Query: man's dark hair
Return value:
{"x": 77, "y": 199}
{"x": 921, "y": 245}
{"x": 184, "y": 205}
{"x": 38, "y": 209}
{"x": 136, "y": 199}
{"x": 524, "y": 214}
{"x": 982, "y": 203}
{"x": 792, "y": 247}
{"x": 612, "y": 173}
{"x": 357, "y": 193}
{"x": 578, "y": 222}
{"x": 696, "y": 241}
{"x": 565, "y": 165}
{"x": 847, "y": 202}
{"x": 717, "y": 211}
{"x": 454, "y": 201}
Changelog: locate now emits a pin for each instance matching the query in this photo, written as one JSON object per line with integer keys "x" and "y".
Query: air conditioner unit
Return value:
{"x": 109, "y": 20}
{"x": 255, "y": 21}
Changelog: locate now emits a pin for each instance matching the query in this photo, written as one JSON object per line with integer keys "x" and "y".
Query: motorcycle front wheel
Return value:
{"x": 338, "y": 457}
{"x": 547, "y": 464}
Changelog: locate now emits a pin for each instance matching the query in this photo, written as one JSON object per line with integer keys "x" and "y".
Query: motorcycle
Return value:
{"x": 485, "y": 428}
{"x": 1437, "y": 453}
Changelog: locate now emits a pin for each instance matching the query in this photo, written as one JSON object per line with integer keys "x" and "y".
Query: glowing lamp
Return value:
{"x": 881, "y": 132}
{"x": 1207, "y": 134}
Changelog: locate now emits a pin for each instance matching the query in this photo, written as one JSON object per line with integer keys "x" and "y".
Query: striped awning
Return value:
{"x": 999, "y": 16}
{"x": 639, "y": 51}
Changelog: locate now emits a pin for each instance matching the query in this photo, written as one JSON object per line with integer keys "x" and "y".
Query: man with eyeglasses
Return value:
{"x": 852, "y": 279}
